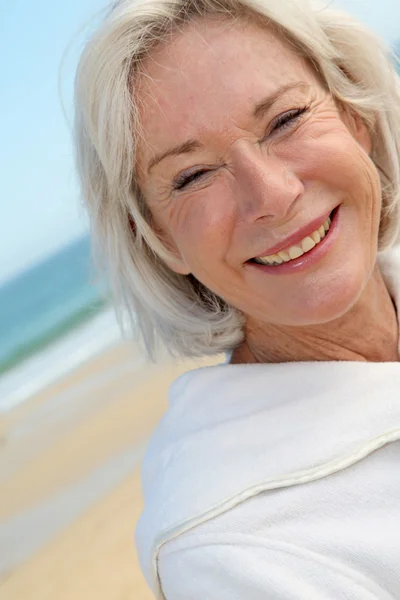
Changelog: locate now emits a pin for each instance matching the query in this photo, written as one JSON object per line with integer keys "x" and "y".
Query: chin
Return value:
{"x": 333, "y": 301}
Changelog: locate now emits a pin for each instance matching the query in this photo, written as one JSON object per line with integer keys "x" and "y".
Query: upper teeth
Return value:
{"x": 295, "y": 251}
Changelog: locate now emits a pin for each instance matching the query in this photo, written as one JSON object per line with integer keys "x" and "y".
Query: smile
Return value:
{"x": 305, "y": 253}
{"x": 306, "y": 244}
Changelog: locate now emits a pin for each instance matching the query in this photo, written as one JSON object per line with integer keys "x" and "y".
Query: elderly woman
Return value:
{"x": 240, "y": 163}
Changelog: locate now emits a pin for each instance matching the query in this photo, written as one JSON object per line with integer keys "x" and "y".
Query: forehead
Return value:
{"x": 207, "y": 77}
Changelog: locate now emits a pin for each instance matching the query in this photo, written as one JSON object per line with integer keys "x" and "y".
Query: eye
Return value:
{"x": 186, "y": 178}
{"x": 281, "y": 123}
{"x": 289, "y": 118}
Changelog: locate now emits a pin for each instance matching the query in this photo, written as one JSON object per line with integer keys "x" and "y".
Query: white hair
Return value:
{"x": 356, "y": 66}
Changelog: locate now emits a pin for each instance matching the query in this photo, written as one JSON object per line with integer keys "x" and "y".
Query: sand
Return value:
{"x": 69, "y": 474}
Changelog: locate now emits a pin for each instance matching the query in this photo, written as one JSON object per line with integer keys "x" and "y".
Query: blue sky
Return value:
{"x": 39, "y": 198}
{"x": 40, "y": 209}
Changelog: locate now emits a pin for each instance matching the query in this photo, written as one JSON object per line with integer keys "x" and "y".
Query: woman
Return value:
{"x": 240, "y": 163}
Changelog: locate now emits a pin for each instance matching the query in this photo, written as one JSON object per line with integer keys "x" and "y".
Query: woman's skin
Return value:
{"x": 261, "y": 183}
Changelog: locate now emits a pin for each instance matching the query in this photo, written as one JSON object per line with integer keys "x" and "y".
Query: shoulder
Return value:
{"x": 232, "y": 432}
{"x": 202, "y": 398}
{"x": 194, "y": 466}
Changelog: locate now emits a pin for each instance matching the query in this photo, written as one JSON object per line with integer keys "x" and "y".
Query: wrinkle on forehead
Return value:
{"x": 165, "y": 88}
{"x": 177, "y": 47}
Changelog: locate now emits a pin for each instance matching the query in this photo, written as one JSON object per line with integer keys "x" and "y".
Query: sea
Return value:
{"x": 53, "y": 317}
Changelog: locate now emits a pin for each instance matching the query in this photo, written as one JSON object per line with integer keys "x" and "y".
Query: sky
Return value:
{"x": 40, "y": 41}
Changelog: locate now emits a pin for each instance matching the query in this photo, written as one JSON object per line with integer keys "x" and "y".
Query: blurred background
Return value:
{"x": 77, "y": 402}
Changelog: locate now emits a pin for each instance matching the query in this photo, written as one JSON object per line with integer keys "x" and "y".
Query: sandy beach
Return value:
{"x": 70, "y": 479}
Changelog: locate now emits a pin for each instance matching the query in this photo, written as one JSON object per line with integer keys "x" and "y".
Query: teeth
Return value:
{"x": 295, "y": 252}
{"x": 284, "y": 255}
{"x": 307, "y": 244}
{"x": 316, "y": 237}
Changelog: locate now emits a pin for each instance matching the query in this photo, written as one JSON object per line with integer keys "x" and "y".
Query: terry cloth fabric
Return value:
{"x": 277, "y": 481}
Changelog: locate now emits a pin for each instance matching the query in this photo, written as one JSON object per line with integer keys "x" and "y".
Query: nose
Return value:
{"x": 267, "y": 189}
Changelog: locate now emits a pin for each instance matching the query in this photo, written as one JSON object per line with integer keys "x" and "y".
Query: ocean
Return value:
{"x": 52, "y": 317}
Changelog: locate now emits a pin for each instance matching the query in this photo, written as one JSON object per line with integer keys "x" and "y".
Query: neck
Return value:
{"x": 369, "y": 331}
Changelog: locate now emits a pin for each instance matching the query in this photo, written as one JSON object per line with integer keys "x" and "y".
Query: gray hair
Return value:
{"x": 357, "y": 68}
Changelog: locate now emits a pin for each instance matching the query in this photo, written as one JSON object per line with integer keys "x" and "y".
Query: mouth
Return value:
{"x": 299, "y": 253}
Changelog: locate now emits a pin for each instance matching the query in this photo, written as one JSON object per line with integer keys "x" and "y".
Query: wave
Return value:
{"x": 58, "y": 357}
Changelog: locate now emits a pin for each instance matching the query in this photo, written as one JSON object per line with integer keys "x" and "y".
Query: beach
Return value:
{"x": 70, "y": 478}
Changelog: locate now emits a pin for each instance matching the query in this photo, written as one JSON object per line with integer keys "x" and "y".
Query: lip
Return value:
{"x": 309, "y": 258}
{"x": 296, "y": 237}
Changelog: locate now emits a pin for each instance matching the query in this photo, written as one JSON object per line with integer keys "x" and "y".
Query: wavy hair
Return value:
{"x": 356, "y": 66}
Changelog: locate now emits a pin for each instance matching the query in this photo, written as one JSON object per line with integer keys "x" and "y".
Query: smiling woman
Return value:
{"x": 240, "y": 163}
{"x": 266, "y": 171}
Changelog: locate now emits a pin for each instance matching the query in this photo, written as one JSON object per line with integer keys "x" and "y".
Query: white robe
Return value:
{"x": 277, "y": 481}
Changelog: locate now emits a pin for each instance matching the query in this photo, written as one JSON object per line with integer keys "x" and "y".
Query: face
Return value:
{"x": 262, "y": 153}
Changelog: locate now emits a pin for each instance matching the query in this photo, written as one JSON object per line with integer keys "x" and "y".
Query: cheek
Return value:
{"x": 339, "y": 161}
{"x": 203, "y": 224}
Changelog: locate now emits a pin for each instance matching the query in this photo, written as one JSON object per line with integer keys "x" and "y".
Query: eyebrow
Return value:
{"x": 258, "y": 112}
{"x": 186, "y": 147}
{"x": 262, "y": 107}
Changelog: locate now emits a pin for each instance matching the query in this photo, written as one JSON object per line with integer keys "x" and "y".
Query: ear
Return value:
{"x": 362, "y": 134}
{"x": 358, "y": 129}
{"x": 176, "y": 262}
{"x": 178, "y": 265}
